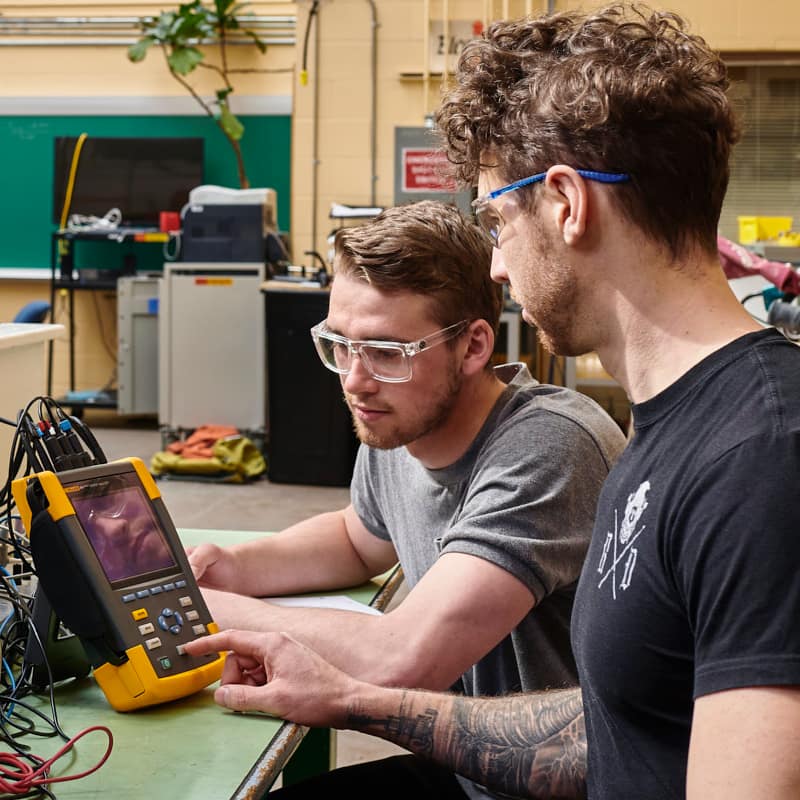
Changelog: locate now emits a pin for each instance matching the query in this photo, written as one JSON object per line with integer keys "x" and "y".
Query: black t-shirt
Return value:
{"x": 691, "y": 581}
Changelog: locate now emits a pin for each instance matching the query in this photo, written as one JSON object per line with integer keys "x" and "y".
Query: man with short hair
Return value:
{"x": 481, "y": 481}
{"x": 600, "y": 144}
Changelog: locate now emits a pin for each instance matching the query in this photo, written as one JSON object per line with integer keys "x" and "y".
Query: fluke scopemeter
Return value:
{"x": 109, "y": 559}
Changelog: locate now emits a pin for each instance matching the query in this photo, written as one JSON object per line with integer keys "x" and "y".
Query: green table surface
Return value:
{"x": 188, "y": 748}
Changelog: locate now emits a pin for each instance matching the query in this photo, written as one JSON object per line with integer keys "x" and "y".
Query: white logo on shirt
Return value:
{"x": 618, "y": 545}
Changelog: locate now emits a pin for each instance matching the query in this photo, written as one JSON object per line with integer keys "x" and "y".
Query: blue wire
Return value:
{"x": 10, "y": 710}
{"x": 11, "y": 677}
{"x": 8, "y": 575}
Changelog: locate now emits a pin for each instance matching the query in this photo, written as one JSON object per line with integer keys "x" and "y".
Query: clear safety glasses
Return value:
{"x": 389, "y": 362}
{"x": 491, "y": 221}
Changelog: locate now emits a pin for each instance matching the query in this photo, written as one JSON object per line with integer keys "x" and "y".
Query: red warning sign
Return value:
{"x": 424, "y": 170}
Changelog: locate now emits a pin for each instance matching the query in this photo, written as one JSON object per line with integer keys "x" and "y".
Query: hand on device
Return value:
{"x": 275, "y": 674}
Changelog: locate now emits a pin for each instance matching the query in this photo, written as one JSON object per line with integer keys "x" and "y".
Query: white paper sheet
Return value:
{"x": 339, "y": 601}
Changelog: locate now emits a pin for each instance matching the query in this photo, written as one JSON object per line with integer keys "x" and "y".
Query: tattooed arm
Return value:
{"x": 531, "y": 745}
{"x": 527, "y": 745}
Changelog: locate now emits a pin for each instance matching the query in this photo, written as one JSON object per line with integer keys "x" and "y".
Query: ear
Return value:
{"x": 479, "y": 348}
{"x": 571, "y": 204}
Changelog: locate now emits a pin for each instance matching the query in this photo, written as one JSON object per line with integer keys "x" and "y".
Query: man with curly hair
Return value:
{"x": 600, "y": 146}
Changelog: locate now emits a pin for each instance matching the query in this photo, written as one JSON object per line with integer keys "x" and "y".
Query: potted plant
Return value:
{"x": 179, "y": 34}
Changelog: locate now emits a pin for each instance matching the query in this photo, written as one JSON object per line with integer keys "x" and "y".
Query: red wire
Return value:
{"x": 23, "y": 777}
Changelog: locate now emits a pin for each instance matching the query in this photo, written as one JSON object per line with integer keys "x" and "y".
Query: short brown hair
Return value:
{"x": 429, "y": 248}
{"x": 620, "y": 89}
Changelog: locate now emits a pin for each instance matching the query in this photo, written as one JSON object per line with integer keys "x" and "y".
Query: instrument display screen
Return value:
{"x": 122, "y": 527}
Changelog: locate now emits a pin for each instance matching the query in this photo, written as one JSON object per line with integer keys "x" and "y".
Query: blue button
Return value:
{"x": 128, "y": 598}
{"x": 168, "y": 587}
{"x": 176, "y": 629}
{"x": 143, "y": 593}
{"x": 156, "y": 590}
{"x": 181, "y": 584}
{"x": 163, "y": 624}
{"x": 167, "y": 612}
{"x": 165, "y": 663}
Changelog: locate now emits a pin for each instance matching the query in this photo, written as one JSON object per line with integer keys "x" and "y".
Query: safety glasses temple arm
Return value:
{"x": 436, "y": 338}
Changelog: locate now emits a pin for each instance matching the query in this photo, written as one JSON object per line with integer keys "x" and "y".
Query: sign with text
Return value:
{"x": 424, "y": 170}
{"x": 421, "y": 170}
{"x": 446, "y": 48}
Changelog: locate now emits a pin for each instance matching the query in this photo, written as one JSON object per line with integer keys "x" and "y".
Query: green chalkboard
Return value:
{"x": 26, "y": 168}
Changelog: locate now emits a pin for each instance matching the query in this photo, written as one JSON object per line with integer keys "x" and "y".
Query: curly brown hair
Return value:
{"x": 427, "y": 248}
{"x": 620, "y": 89}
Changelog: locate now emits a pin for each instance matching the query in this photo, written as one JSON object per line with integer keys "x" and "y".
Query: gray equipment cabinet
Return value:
{"x": 212, "y": 359}
{"x": 137, "y": 345}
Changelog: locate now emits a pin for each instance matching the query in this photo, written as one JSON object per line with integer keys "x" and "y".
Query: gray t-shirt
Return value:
{"x": 522, "y": 497}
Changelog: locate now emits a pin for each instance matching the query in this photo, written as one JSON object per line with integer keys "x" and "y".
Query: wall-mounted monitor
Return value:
{"x": 140, "y": 176}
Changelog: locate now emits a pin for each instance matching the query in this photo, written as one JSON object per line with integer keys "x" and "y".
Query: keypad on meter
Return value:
{"x": 175, "y": 608}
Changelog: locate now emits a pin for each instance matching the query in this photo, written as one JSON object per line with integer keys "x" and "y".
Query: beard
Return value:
{"x": 557, "y": 328}
{"x": 550, "y": 294}
{"x": 425, "y": 419}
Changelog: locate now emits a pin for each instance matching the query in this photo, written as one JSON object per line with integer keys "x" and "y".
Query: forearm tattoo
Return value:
{"x": 531, "y": 745}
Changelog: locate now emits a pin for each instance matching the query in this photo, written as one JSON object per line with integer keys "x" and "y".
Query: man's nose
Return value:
{"x": 358, "y": 380}
{"x": 498, "y": 270}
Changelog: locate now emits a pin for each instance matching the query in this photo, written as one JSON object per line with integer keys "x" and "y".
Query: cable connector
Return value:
{"x": 78, "y": 456}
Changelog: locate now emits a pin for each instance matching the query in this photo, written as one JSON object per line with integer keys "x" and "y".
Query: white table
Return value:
{"x": 22, "y": 367}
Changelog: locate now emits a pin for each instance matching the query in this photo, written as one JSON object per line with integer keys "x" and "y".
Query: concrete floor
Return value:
{"x": 259, "y": 506}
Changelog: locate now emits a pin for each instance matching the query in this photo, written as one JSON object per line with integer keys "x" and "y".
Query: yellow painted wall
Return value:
{"x": 105, "y": 70}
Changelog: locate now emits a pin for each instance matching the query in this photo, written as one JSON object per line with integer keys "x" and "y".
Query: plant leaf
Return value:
{"x": 184, "y": 59}
{"x": 256, "y": 40}
{"x": 138, "y": 50}
{"x": 230, "y": 123}
{"x": 192, "y": 26}
{"x": 226, "y": 8}
{"x": 162, "y": 28}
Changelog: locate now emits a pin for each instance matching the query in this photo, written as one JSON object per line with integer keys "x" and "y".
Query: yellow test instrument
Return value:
{"x": 109, "y": 559}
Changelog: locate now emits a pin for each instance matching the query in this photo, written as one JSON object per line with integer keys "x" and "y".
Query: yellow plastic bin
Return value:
{"x": 759, "y": 229}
